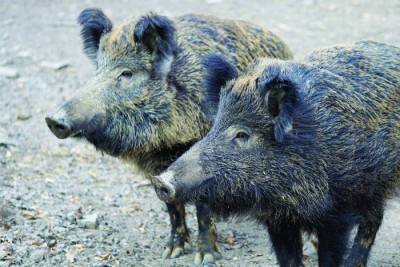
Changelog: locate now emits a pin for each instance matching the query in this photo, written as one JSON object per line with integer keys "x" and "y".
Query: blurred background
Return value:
{"x": 64, "y": 204}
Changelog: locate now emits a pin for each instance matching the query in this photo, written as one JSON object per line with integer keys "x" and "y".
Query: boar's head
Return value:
{"x": 128, "y": 104}
{"x": 262, "y": 151}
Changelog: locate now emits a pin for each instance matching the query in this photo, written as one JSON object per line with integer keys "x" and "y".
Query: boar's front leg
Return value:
{"x": 365, "y": 237}
{"x": 207, "y": 239}
{"x": 333, "y": 236}
{"x": 179, "y": 231}
{"x": 287, "y": 243}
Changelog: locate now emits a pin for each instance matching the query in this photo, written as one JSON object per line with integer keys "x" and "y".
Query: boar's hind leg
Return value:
{"x": 287, "y": 243}
{"x": 207, "y": 239}
{"x": 365, "y": 237}
{"x": 332, "y": 242}
{"x": 179, "y": 231}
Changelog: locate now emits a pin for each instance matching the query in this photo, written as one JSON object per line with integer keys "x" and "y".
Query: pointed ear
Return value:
{"x": 281, "y": 99}
{"x": 218, "y": 71}
{"x": 157, "y": 35}
{"x": 94, "y": 24}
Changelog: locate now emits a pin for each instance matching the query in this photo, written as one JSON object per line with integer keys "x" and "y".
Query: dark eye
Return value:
{"x": 242, "y": 136}
{"x": 127, "y": 74}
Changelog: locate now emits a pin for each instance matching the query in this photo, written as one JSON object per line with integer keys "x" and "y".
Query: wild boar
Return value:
{"x": 308, "y": 146}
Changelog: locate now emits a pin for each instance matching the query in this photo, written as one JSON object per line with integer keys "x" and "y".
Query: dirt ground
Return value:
{"x": 64, "y": 204}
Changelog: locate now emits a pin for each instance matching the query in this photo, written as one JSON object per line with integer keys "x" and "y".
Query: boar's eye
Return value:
{"x": 241, "y": 136}
{"x": 126, "y": 74}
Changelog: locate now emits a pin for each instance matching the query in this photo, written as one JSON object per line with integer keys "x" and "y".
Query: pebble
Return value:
{"x": 54, "y": 65}
{"x": 9, "y": 72}
{"x": 38, "y": 255}
{"x": 24, "y": 54}
{"x": 89, "y": 221}
{"x": 8, "y": 214}
{"x": 52, "y": 242}
{"x": 23, "y": 117}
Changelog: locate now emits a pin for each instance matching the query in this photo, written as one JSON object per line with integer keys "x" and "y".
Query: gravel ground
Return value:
{"x": 64, "y": 204}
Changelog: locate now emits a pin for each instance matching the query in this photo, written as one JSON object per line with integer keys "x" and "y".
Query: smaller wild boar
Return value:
{"x": 312, "y": 146}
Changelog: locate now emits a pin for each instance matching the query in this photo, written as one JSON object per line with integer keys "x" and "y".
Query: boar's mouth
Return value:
{"x": 62, "y": 128}
{"x": 96, "y": 130}
{"x": 200, "y": 192}
{"x": 78, "y": 134}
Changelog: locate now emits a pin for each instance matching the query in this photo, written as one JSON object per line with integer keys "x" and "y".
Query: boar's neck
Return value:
{"x": 155, "y": 161}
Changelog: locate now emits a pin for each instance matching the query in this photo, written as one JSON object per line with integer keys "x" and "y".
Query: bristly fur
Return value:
{"x": 144, "y": 104}
{"x": 164, "y": 107}
{"x": 218, "y": 73}
{"x": 282, "y": 99}
{"x": 94, "y": 24}
{"x": 312, "y": 146}
{"x": 158, "y": 35}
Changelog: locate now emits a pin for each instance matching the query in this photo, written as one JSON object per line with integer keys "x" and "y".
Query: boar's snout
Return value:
{"x": 182, "y": 177}
{"x": 165, "y": 188}
{"x": 59, "y": 125}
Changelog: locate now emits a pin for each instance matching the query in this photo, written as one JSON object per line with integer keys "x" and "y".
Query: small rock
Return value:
{"x": 38, "y": 255}
{"x": 9, "y": 72}
{"x": 56, "y": 65}
{"x": 23, "y": 54}
{"x": 23, "y": 117}
{"x": 8, "y": 214}
{"x": 89, "y": 221}
{"x": 51, "y": 242}
{"x": 36, "y": 243}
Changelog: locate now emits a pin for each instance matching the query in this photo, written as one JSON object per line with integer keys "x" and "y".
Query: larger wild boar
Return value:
{"x": 145, "y": 103}
{"x": 312, "y": 146}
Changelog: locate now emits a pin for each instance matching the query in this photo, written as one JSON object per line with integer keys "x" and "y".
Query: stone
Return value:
{"x": 9, "y": 72}
{"x": 90, "y": 221}
{"x": 54, "y": 65}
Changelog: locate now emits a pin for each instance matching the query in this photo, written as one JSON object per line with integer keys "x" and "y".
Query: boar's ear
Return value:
{"x": 218, "y": 72}
{"x": 281, "y": 99}
{"x": 94, "y": 24}
{"x": 157, "y": 34}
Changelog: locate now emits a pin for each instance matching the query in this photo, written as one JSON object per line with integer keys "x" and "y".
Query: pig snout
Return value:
{"x": 59, "y": 124}
{"x": 165, "y": 187}
{"x": 177, "y": 182}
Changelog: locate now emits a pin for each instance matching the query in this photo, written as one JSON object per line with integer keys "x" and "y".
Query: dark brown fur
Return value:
{"x": 303, "y": 146}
